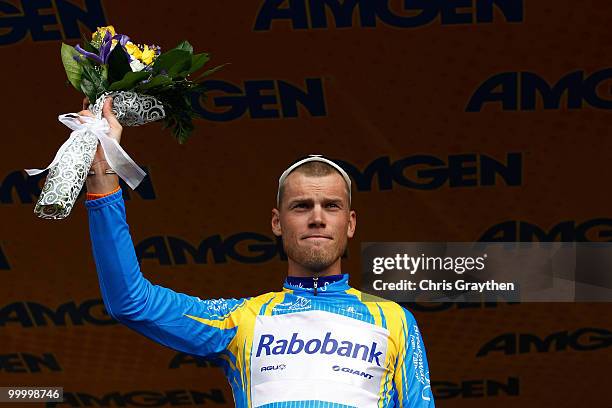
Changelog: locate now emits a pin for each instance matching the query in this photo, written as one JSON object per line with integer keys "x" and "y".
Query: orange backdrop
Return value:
{"x": 459, "y": 120}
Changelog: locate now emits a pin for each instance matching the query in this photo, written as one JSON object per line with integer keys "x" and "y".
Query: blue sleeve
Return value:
{"x": 412, "y": 372}
{"x": 181, "y": 322}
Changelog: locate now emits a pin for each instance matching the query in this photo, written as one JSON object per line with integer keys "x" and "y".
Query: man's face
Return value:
{"x": 314, "y": 220}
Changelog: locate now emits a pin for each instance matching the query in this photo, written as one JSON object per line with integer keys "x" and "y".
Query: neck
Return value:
{"x": 299, "y": 271}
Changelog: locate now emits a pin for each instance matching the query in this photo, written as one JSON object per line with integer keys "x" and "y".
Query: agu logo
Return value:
{"x": 313, "y": 14}
{"x": 37, "y": 17}
{"x": 260, "y": 99}
{"x": 278, "y": 367}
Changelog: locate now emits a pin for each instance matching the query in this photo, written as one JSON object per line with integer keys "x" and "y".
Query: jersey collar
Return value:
{"x": 326, "y": 284}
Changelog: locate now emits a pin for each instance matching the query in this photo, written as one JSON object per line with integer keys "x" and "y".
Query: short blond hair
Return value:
{"x": 312, "y": 169}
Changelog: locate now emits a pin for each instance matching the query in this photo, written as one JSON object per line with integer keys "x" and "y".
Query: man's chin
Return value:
{"x": 319, "y": 261}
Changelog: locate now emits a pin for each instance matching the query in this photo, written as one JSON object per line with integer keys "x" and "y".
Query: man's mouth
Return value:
{"x": 317, "y": 237}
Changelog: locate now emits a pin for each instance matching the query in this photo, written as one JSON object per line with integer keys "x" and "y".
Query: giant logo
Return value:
{"x": 585, "y": 339}
{"x": 39, "y": 17}
{"x": 313, "y": 14}
{"x": 28, "y": 363}
{"x": 426, "y": 172}
{"x": 18, "y": 187}
{"x": 475, "y": 388}
{"x": 261, "y": 99}
{"x": 270, "y": 345}
{"x": 351, "y": 371}
{"x": 244, "y": 247}
{"x": 32, "y": 314}
{"x": 520, "y": 91}
{"x": 141, "y": 398}
{"x": 594, "y": 230}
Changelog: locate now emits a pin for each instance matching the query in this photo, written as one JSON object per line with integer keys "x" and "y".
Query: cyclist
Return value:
{"x": 316, "y": 343}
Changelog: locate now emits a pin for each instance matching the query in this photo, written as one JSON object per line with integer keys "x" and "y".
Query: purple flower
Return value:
{"x": 122, "y": 38}
{"x": 106, "y": 47}
{"x": 89, "y": 55}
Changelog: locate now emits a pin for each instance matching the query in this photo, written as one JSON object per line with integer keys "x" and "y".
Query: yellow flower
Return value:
{"x": 133, "y": 50}
{"x": 101, "y": 31}
{"x": 147, "y": 55}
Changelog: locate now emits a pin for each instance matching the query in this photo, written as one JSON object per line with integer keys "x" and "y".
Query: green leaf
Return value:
{"x": 211, "y": 71}
{"x": 92, "y": 83}
{"x": 89, "y": 89}
{"x": 197, "y": 62}
{"x": 160, "y": 80}
{"x": 168, "y": 60}
{"x": 118, "y": 64}
{"x": 179, "y": 68}
{"x": 89, "y": 72}
{"x": 95, "y": 74}
{"x": 183, "y": 130}
{"x": 185, "y": 46}
{"x": 74, "y": 71}
{"x": 129, "y": 81}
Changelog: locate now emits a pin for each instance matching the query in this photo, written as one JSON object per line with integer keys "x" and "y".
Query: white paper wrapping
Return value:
{"x": 68, "y": 170}
{"x": 130, "y": 108}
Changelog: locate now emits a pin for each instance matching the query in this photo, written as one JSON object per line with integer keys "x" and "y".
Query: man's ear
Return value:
{"x": 352, "y": 224}
{"x": 276, "y": 225}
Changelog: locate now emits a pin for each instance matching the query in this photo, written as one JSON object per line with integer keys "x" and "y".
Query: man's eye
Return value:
{"x": 333, "y": 205}
{"x": 300, "y": 205}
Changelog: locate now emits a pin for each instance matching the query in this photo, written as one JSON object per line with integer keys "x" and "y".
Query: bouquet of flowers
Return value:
{"x": 146, "y": 85}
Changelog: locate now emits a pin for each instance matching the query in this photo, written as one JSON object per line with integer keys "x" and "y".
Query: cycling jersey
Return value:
{"x": 294, "y": 348}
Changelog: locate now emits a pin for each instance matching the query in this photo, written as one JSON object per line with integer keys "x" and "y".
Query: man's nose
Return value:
{"x": 316, "y": 217}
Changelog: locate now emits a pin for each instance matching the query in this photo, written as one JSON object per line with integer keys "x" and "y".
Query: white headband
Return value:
{"x": 310, "y": 158}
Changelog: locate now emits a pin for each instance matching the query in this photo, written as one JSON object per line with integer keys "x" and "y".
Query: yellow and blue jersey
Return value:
{"x": 294, "y": 348}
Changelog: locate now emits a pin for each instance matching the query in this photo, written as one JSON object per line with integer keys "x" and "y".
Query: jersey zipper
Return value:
{"x": 314, "y": 284}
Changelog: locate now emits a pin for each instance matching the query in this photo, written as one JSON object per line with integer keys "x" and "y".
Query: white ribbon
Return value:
{"x": 116, "y": 157}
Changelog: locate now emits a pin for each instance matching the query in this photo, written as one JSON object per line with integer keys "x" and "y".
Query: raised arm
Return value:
{"x": 101, "y": 183}
{"x": 184, "y": 323}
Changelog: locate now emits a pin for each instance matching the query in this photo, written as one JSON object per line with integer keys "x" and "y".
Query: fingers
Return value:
{"x": 107, "y": 112}
{"x": 86, "y": 113}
